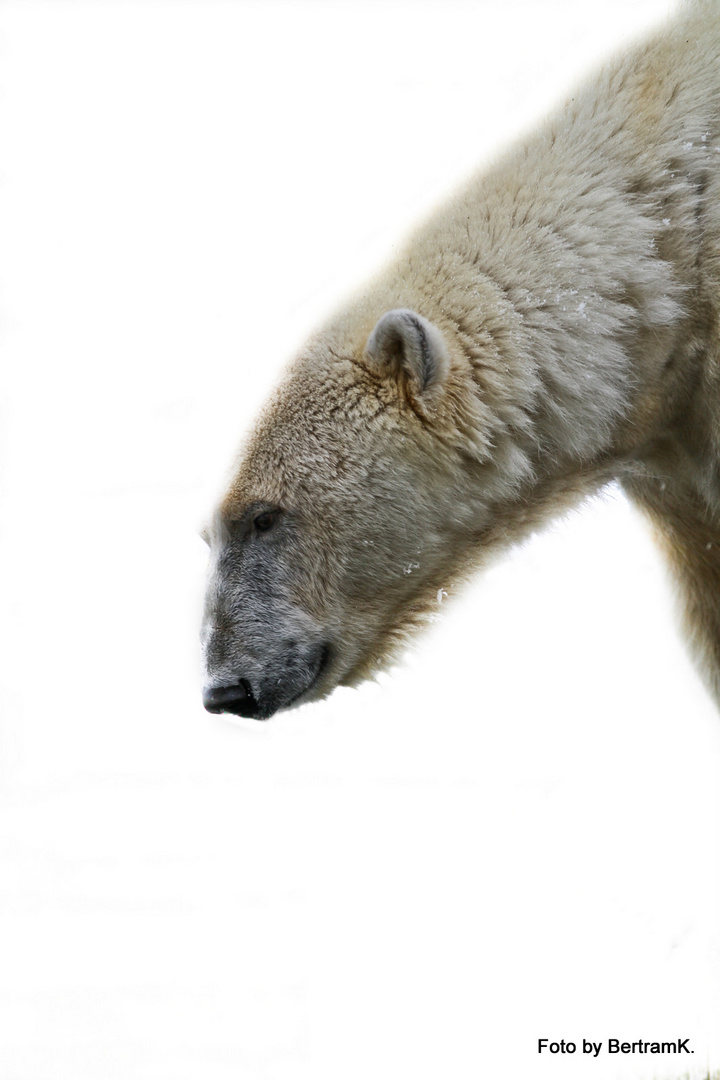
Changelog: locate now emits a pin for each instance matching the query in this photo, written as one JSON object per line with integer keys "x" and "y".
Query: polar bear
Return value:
{"x": 553, "y": 327}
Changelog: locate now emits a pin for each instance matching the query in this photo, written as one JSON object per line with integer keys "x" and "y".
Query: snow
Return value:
{"x": 515, "y": 835}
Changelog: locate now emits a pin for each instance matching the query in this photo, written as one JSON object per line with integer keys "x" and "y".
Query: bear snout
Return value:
{"x": 283, "y": 681}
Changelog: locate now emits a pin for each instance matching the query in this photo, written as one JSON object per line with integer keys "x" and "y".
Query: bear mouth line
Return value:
{"x": 322, "y": 666}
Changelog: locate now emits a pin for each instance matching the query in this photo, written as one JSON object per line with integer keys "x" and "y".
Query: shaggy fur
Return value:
{"x": 553, "y": 327}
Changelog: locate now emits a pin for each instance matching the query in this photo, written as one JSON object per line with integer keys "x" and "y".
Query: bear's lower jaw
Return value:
{"x": 322, "y": 663}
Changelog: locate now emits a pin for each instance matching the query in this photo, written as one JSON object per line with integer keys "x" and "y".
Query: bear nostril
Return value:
{"x": 235, "y": 699}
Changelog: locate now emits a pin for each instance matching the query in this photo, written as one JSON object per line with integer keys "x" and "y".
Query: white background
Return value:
{"x": 514, "y": 836}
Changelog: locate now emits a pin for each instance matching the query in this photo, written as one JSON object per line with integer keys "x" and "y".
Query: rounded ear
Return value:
{"x": 404, "y": 344}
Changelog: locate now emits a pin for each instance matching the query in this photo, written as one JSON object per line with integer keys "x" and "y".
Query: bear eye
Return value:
{"x": 262, "y": 523}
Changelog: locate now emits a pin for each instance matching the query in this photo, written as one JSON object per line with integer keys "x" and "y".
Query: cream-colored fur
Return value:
{"x": 553, "y": 326}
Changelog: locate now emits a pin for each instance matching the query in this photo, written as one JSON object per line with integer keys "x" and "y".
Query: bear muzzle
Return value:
{"x": 264, "y": 696}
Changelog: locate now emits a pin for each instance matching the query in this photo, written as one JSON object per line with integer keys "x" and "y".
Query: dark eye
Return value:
{"x": 264, "y": 522}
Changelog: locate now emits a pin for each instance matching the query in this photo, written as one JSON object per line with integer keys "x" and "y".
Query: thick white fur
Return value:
{"x": 572, "y": 291}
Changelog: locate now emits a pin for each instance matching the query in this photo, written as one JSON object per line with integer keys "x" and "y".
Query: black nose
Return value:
{"x": 237, "y": 699}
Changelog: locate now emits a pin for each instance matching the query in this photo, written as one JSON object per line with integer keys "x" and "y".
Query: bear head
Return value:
{"x": 344, "y": 518}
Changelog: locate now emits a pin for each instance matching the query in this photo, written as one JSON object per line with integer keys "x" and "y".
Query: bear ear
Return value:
{"x": 405, "y": 345}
